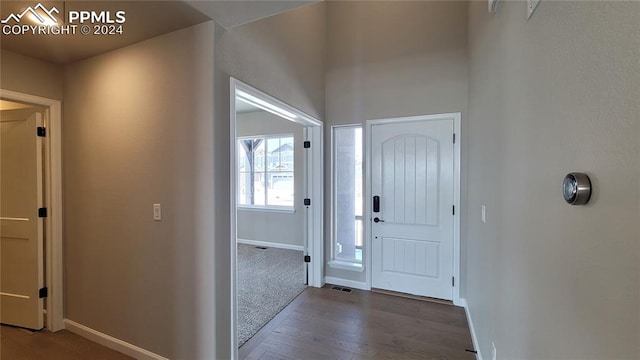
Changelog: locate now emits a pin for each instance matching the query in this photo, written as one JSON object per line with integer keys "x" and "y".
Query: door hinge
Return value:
{"x": 453, "y": 209}
{"x": 307, "y": 202}
{"x": 42, "y": 212}
{"x": 454, "y": 138}
{"x": 307, "y": 144}
{"x": 307, "y": 258}
{"x": 41, "y": 131}
{"x": 453, "y": 281}
{"x": 43, "y": 293}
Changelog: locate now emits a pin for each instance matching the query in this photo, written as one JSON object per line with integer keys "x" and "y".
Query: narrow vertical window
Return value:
{"x": 347, "y": 194}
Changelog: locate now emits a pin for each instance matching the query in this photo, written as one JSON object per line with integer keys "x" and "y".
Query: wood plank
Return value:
{"x": 329, "y": 324}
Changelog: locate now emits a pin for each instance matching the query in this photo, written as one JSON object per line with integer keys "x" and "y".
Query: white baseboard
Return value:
{"x": 111, "y": 342}
{"x": 472, "y": 328}
{"x": 271, "y": 244}
{"x": 348, "y": 283}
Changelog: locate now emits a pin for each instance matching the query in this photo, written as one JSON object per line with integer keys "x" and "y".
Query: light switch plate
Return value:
{"x": 531, "y": 7}
{"x": 157, "y": 212}
{"x": 484, "y": 214}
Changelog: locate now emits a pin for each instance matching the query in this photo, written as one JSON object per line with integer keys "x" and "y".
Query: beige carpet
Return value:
{"x": 268, "y": 280}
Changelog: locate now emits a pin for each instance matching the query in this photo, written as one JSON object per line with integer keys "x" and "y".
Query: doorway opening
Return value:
{"x": 276, "y": 210}
{"x": 32, "y": 230}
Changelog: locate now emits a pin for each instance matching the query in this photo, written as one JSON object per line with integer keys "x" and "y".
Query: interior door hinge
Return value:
{"x": 307, "y": 144}
{"x": 43, "y": 293}
{"x": 307, "y": 202}
{"x": 41, "y": 131}
{"x": 453, "y": 210}
{"x": 42, "y": 212}
{"x": 454, "y": 138}
{"x": 307, "y": 258}
{"x": 453, "y": 281}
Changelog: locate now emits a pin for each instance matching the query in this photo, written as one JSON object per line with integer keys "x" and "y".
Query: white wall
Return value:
{"x": 269, "y": 226}
{"x": 548, "y": 96}
{"x": 138, "y": 130}
{"x": 391, "y": 59}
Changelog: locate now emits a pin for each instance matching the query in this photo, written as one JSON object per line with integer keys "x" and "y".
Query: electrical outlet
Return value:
{"x": 531, "y": 7}
{"x": 494, "y": 353}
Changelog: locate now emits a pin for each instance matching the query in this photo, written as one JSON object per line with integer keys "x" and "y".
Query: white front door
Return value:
{"x": 412, "y": 175}
{"x": 21, "y": 230}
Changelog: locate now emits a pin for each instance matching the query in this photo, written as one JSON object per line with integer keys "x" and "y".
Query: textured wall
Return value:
{"x": 30, "y": 76}
{"x": 283, "y": 55}
{"x": 392, "y": 59}
{"x": 138, "y": 130}
{"x": 548, "y": 96}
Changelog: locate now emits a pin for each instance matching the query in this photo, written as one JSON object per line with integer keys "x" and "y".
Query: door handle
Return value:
{"x": 377, "y": 220}
{"x": 376, "y": 204}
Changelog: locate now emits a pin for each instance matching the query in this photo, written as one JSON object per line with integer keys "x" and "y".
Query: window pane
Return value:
{"x": 258, "y": 188}
{"x": 286, "y": 153}
{"x": 347, "y": 162}
{"x": 265, "y": 171}
{"x": 358, "y": 170}
{"x": 273, "y": 149}
{"x": 244, "y": 189}
{"x": 258, "y": 156}
{"x": 281, "y": 189}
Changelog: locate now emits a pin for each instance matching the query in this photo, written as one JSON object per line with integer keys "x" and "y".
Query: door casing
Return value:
{"x": 456, "y": 118}
{"x": 53, "y": 198}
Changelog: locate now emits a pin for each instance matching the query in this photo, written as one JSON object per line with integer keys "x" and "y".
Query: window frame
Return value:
{"x": 335, "y": 262}
{"x": 240, "y": 152}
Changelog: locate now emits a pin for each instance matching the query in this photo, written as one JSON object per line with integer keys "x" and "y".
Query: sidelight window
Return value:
{"x": 347, "y": 194}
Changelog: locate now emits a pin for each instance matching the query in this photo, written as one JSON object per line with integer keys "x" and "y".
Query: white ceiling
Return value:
{"x": 144, "y": 19}
{"x": 230, "y": 14}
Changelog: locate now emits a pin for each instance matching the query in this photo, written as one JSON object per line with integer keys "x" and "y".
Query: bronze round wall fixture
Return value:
{"x": 576, "y": 188}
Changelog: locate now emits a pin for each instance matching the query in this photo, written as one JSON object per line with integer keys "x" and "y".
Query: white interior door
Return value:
{"x": 21, "y": 230}
{"x": 412, "y": 173}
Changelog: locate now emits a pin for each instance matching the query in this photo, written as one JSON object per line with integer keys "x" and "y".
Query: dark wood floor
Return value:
{"x": 16, "y": 343}
{"x": 331, "y": 324}
{"x": 319, "y": 324}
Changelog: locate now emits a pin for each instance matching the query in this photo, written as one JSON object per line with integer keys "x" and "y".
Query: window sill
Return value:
{"x": 346, "y": 265}
{"x": 267, "y": 209}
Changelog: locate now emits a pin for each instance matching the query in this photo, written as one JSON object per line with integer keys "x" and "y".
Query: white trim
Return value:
{"x": 313, "y": 189}
{"x": 457, "y": 131}
{"x": 271, "y": 245}
{"x": 15, "y": 295}
{"x": 346, "y": 265}
{"x": 348, "y": 283}
{"x": 53, "y": 183}
{"x": 266, "y": 209}
{"x": 474, "y": 338}
{"x": 456, "y": 191}
{"x": 233, "y": 220}
{"x": 111, "y": 342}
